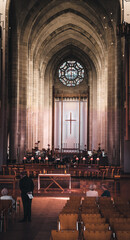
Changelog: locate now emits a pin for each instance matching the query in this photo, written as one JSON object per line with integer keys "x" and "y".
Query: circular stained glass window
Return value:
{"x": 71, "y": 73}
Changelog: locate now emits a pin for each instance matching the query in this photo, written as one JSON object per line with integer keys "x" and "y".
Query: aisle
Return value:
{"x": 45, "y": 212}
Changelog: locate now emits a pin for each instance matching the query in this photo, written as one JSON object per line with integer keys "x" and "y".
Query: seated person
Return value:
{"x": 5, "y": 196}
{"x": 92, "y": 192}
{"x": 106, "y": 192}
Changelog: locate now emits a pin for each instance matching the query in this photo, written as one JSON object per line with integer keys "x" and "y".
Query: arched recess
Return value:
{"x": 51, "y": 80}
{"x": 46, "y": 31}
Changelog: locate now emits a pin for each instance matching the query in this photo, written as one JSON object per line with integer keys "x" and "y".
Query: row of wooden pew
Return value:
{"x": 88, "y": 219}
{"x": 81, "y": 170}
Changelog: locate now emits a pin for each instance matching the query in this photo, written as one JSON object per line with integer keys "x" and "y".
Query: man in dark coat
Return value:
{"x": 26, "y": 186}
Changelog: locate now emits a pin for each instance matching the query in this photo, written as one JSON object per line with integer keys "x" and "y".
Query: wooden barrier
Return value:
{"x": 5, "y": 206}
{"x": 8, "y": 179}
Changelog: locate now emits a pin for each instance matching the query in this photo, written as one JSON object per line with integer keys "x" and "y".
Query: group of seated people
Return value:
{"x": 90, "y": 193}
{"x": 93, "y": 193}
{"x": 87, "y": 158}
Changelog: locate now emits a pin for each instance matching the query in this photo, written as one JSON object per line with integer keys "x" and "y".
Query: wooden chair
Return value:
{"x": 91, "y": 215}
{"x": 64, "y": 235}
{"x": 68, "y": 222}
{"x": 119, "y": 220}
{"x": 92, "y": 218}
{"x": 72, "y": 205}
{"x": 90, "y": 210}
{"x": 121, "y": 227}
{"x": 103, "y": 200}
{"x": 97, "y": 235}
{"x": 123, "y": 235}
{"x": 90, "y": 200}
{"x": 96, "y": 226}
{"x": 109, "y": 214}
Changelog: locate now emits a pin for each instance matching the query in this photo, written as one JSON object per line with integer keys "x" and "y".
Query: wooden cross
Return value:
{"x": 70, "y": 120}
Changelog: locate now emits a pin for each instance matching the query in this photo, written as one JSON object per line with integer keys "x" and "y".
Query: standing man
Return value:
{"x": 26, "y": 186}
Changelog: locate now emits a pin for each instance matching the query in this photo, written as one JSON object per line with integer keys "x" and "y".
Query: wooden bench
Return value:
{"x": 8, "y": 179}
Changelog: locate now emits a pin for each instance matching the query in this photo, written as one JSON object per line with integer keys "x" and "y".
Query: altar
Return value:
{"x": 54, "y": 179}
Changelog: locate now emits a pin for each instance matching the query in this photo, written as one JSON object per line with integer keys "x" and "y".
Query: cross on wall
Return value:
{"x": 70, "y": 120}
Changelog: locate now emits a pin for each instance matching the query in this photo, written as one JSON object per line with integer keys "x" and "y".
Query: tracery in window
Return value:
{"x": 71, "y": 73}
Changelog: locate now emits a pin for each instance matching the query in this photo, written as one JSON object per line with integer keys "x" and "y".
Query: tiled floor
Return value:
{"x": 47, "y": 206}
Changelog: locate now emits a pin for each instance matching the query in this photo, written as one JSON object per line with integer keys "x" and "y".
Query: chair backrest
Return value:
{"x": 64, "y": 235}
{"x": 92, "y": 218}
{"x": 119, "y": 220}
{"x": 91, "y": 215}
{"x": 109, "y": 214}
{"x": 97, "y": 235}
{"x": 97, "y": 226}
{"x": 5, "y": 204}
{"x": 121, "y": 227}
{"x": 90, "y": 210}
{"x": 68, "y": 221}
{"x": 123, "y": 235}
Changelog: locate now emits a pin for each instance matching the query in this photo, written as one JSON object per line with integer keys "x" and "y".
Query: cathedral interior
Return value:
{"x": 64, "y": 93}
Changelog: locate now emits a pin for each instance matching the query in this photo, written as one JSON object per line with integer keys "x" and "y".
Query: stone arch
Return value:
{"x": 45, "y": 29}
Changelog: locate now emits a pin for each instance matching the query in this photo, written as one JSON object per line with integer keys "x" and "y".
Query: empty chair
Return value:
{"x": 97, "y": 235}
{"x": 68, "y": 222}
{"x": 64, "y": 235}
{"x": 96, "y": 226}
{"x": 107, "y": 200}
{"x": 72, "y": 205}
{"x": 119, "y": 200}
{"x": 109, "y": 214}
{"x": 121, "y": 226}
{"x": 92, "y": 218}
{"x": 119, "y": 220}
{"x": 123, "y": 235}
{"x": 90, "y": 200}
{"x": 91, "y": 215}
{"x": 90, "y": 210}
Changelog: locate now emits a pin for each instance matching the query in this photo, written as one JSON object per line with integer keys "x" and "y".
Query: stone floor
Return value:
{"x": 46, "y": 207}
{"x": 45, "y": 211}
